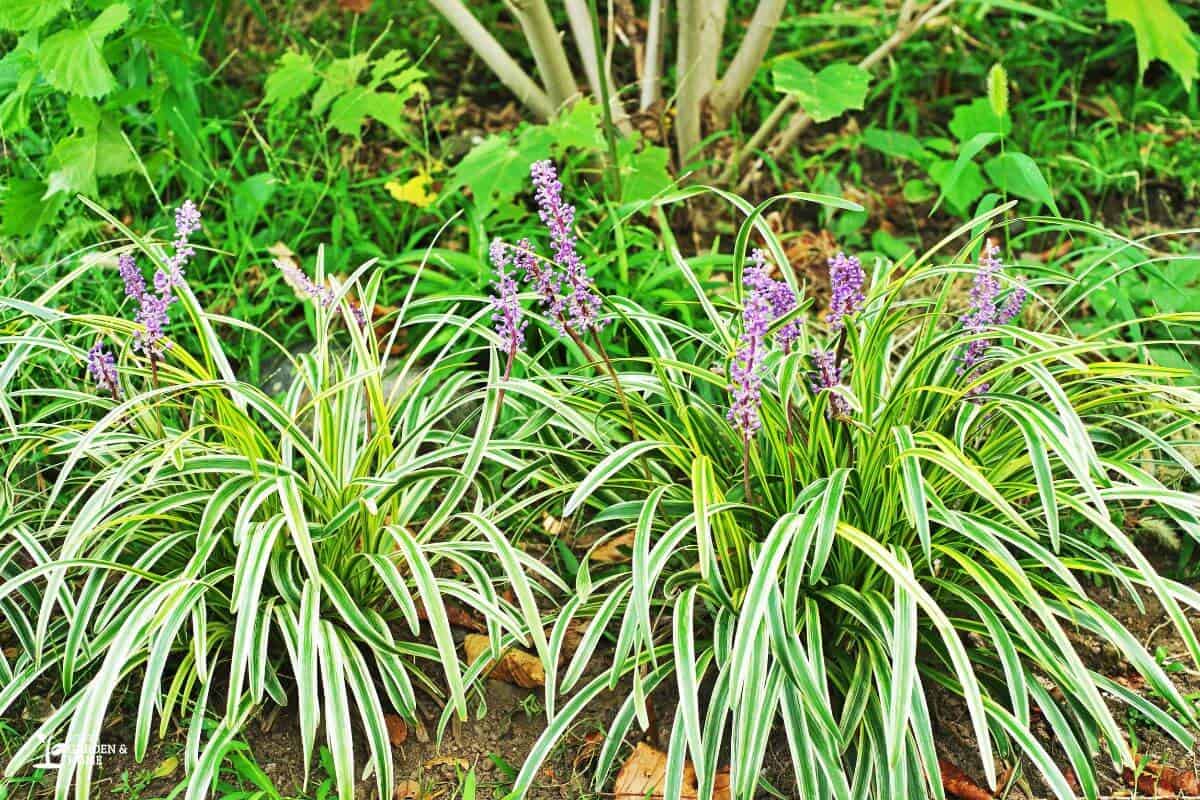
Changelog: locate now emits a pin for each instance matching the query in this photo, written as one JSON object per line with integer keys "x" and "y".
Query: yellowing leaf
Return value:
{"x": 167, "y": 768}
{"x": 414, "y": 191}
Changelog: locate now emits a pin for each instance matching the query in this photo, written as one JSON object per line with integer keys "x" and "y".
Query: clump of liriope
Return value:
{"x": 831, "y": 514}
{"x": 214, "y": 549}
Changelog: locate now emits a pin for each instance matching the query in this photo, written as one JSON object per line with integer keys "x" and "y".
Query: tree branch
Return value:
{"x": 728, "y": 94}
{"x": 656, "y": 24}
{"x": 496, "y": 57}
{"x": 801, "y": 121}
{"x": 579, "y": 15}
{"x": 548, "y": 50}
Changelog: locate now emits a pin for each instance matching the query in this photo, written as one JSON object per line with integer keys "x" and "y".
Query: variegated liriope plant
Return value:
{"x": 175, "y": 532}
{"x": 833, "y": 512}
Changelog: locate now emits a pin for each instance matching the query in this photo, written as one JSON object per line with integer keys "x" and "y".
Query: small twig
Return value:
{"x": 801, "y": 121}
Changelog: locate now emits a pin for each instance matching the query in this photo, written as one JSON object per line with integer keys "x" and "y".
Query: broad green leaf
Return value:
{"x": 347, "y": 113}
{"x": 72, "y": 60}
{"x": 894, "y": 143}
{"x": 978, "y": 117}
{"x": 579, "y": 127}
{"x": 24, "y": 207}
{"x": 293, "y": 75}
{"x": 23, "y": 15}
{"x": 645, "y": 172}
{"x": 1017, "y": 173}
{"x": 1161, "y": 34}
{"x": 109, "y": 20}
{"x": 97, "y": 150}
{"x": 498, "y": 167}
{"x": 961, "y": 182}
{"x": 340, "y": 76}
{"x": 826, "y": 94}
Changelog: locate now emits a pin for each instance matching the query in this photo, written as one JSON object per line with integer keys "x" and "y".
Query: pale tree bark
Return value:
{"x": 548, "y": 50}
{"x": 688, "y": 94}
{"x": 712, "y": 34}
{"x": 496, "y": 57}
{"x": 579, "y": 15}
{"x": 656, "y": 26}
{"x": 727, "y": 96}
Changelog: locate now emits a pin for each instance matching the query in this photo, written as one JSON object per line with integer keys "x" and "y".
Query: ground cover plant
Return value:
{"x": 207, "y": 529}
{"x": 838, "y": 517}
{"x": 830, "y": 431}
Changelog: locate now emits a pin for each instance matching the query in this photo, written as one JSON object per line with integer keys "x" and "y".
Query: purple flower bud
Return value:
{"x": 510, "y": 326}
{"x": 102, "y": 367}
{"x": 135, "y": 284}
{"x": 152, "y": 316}
{"x": 187, "y": 222}
{"x": 745, "y": 373}
{"x": 360, "y": 316}
{"x": 1012, "y": 306}
{"x": 983, "y": 313}
{"x": 298, "y": 280}
{"x": 780, "y": 297}
{"x": 582, "y": 304}
{"x": 846, "y": 278}
{"x": 827, "y": 377}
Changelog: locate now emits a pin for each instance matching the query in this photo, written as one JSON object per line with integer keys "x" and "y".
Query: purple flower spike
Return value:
{"x": 102, "y": 367}
{"x": 745, "y": 373}
{"x": 583, "y": 304}
{"x": 187, "y": 222}
{"x": 510, "y": 327}
{"x": 1012, "y": 306}
{"x": 152, "y": 316}
{"x": 135, "y": 284}
{"x": 846, "y": 278}
{"x": 546, "y": 281}
{"x": 983, "y": 313}
{"x": 780, "y": 297}
{"x": 298, "y": 280}
{"x": 829, "y": 376}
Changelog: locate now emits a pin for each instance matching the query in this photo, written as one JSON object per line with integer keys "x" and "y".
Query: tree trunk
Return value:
{"x": 728, "y": 94}
{"x": 547, "y": 48}
{"x": 498, "y": 60}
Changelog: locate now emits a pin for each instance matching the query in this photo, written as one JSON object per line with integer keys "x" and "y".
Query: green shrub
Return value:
{"x": 213, "y": 548}
{"x": 897, "y": 527}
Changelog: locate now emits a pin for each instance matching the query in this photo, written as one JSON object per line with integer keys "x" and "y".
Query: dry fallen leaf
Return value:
{"x": 407, "y": 790}
{"x": 553, "y": 525}
{"x": 644, "y": 775}
{"x": 457, "y": 615}
{"x": 514, "y": 666}
{"x": 721, "y": 788}
{"x": 616, "y": 550}
{"x": 1157, "y": 780}
{"x": 397, "y": 729}
{"x": 958, "y": 784}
